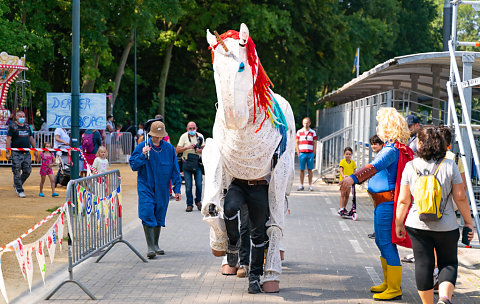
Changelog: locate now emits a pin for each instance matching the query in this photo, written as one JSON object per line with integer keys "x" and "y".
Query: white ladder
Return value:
{"x": 456, "y": 81}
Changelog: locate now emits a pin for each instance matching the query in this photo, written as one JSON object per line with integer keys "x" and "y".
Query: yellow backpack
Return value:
{"x": 427, "y": 194}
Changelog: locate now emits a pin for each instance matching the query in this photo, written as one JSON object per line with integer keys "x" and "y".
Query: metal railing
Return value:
{"x": 119, "y": 146}
{"x": 96, "y": 226}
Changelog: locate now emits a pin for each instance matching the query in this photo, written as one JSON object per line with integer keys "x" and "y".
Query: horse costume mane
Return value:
{"x": 262, "y": 94}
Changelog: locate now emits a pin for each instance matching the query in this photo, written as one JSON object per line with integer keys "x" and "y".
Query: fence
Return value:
{"x": 94, "y": 220}
{"x": 119, "y": 146}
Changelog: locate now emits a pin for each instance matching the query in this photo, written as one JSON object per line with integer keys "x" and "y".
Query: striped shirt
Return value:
{"x": 305, "y": 140}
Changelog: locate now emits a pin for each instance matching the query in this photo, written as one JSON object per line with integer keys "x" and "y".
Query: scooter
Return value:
{"x": 353, "y": 212}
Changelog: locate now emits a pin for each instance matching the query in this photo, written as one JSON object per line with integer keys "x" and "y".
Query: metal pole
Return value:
{"x": 75, "y": 85}
{"x": 447, "y": 23}
{"x": 135, "y": 74}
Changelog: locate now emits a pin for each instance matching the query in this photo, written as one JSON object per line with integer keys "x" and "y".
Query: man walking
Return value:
{"x": 19, "y": 135}
{"x": 306, "y": 150}
{"x": 191, "y": 145}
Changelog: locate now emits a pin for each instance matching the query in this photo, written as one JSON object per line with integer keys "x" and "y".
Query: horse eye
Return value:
{"x": 241, "y": 68}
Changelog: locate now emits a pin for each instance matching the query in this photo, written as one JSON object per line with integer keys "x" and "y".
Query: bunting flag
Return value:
{"x": 119, "y": 195}
{"x": 88, "y": 206}
{"x": 41, "y": 257}
{"x": 98, "y": 209}
{"x": 106, "y": 207}
{"x": 18, "y": 248}
{"x": 80, "y": 196}
{"x": 2, "y": 283}
{"x": 112, "y": 207}
{"x": 60, "y": 224}
{"x": 51, "y": 243}
{"x": 27, "y": 251}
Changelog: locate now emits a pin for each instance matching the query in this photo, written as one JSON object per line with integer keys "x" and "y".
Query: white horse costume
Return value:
{"x": 252, "y": 127}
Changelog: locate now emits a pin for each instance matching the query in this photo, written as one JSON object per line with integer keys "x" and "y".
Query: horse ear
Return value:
{"x": 244, "y": 34}
{"x": 211, "y": 39}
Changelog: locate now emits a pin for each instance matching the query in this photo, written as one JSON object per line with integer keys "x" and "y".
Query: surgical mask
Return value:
{"x": 192, "y": 133}
{"x": 21, "y": 120}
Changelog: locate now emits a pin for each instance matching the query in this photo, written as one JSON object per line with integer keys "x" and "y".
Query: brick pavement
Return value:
{"x": 328, "y": 260}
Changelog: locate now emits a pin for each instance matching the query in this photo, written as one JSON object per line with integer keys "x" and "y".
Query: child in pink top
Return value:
{"x": 46, "y": 169}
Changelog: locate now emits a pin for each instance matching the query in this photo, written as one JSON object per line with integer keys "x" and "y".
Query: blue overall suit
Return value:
{"x": 153, "y": 181}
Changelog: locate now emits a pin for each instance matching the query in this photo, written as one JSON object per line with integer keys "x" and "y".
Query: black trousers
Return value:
{"x": 256, "y": 200}
{"x": 244, "y": 252}
{"x": 445, "y": 244}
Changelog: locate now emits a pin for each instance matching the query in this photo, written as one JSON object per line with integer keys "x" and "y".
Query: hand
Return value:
{"x": 192, "y": 146}
{"x": 198, "y": 150}
{"x": 9, "y": 154}
{"x": 36, "y": 155}
{"x": 178, "y": 196}
{"x": 146, "y": 149}
{"x": 400, "y": 231}
{"x": 346, "y": 183}
{"x": 470, "y": 234}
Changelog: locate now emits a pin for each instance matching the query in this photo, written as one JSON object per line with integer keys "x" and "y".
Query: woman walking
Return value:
{"x": 439, "y": 234}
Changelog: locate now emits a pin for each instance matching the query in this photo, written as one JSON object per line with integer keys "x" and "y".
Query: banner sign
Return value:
{"x": 93, "y": 110}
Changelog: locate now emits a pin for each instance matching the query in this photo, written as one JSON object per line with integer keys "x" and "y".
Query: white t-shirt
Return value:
{"x": 63, "y": 136}
{"x": 101, "y": 165}
{"x": 447, "y": 176}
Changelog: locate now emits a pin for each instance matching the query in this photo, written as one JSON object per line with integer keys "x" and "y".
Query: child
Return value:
{"x": 376, "y": 143}
{"x": 101, "y": 162}
{"x": 347, "y": 167}
{"x": 46, "y": 170}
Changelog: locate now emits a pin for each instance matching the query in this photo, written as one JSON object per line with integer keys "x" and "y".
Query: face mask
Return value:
{"x": 21, "y": 120}
{"x": 192, "y": 133}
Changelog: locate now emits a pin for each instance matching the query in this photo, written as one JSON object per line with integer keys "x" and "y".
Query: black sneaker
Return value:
{"x": 371, "y": 235}
{"x": 232, "y": 259}
{"x": 254, "y": 286}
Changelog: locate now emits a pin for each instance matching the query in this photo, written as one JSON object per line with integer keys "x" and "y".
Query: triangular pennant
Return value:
{"x": 106, "y": 207}
{"x": 96, "y": 203}
{"x": 119, "y": 195}
{"x": 69, "y": 225}
{"x": 18, "y": 248}
{"x": 2, "y": 283}
{"x": 60, "y": 226}
{"x": 27, "y": 251}
{"x": 80, "y": 196}
{"x": 88, "y": 207}
{"x": 41, "y": 257}
{"x": 51, "y": 243}
{"x": 112, "y": 208}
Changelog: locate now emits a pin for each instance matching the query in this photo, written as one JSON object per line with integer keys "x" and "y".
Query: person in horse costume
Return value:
{"x": 252, "y": 154}
{"x": 384, "y": 174}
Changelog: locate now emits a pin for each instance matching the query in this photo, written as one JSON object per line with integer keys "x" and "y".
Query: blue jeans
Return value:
{"x": 189, "y": 184}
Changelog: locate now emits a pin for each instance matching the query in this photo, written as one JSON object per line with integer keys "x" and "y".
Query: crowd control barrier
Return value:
{"x": 94, "y": 219}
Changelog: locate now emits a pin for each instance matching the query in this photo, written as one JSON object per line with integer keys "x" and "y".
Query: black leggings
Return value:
{"x": 445, "y": 244}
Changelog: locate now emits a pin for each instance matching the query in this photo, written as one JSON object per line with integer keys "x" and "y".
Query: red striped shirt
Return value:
{"x": 306, "y": 140}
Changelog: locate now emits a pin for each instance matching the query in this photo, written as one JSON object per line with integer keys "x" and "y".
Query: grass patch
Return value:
{"x": 52, "y": 209}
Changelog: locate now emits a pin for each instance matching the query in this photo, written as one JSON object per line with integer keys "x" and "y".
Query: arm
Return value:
{"x": 341, "y": 172}
{"x": 460, "y": 198}
{"x": 404, "y": 201}
{"x": 8, "y": 145}
{"x": 296, "y": 145}
{"x": 57, "y": 138}
{"x": 34, "y": 145}
{"x": 137, "y": 160}
{"x": 176, "y": 178}
{"x": 315, "y": 147}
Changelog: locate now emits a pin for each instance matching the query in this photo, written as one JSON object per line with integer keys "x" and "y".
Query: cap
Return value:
{"x": 412, "y": 119}
{"x": 157, "y": 129}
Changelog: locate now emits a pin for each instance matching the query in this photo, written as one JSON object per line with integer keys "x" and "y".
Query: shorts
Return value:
{"x": 306, "y": 158}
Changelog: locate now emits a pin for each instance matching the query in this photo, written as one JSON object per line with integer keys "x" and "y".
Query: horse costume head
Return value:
{"x": 240, "y": 78}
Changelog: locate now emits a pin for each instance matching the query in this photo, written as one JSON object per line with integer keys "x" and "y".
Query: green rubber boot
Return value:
{"x": 150, "y": 241}
{"x": 156, "y": 236}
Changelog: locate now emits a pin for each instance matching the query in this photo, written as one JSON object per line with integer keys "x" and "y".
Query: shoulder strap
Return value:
{"x": 437, "y": 165}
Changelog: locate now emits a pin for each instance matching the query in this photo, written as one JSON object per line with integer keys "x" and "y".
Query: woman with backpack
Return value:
{"x": 431, "y": 222}
{"x": 91, "y": 140}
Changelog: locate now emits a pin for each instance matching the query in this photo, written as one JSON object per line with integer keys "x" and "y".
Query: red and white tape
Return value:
{"x": 38, "y": 225}
{"x": 40, "y": 149}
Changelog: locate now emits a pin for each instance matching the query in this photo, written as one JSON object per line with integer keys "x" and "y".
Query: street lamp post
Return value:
{"x": 75, "y": 110}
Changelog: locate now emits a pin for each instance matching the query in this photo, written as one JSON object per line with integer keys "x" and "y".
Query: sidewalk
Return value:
{"x": 328, "y": 260}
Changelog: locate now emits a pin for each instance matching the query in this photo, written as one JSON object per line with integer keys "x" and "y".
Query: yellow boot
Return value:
{"x": 382, "y": 287}
{"x": 393, "y": 291}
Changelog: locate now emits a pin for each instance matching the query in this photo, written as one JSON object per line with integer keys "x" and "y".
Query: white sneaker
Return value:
{"x": 22, "y": 195}
{"x": 300, "y": 188}
{"x": 310, "y": 188}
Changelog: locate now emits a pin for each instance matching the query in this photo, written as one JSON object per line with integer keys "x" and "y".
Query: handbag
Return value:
{"x": 191, "y": 163}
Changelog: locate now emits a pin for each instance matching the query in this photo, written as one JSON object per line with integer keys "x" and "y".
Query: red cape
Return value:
{"x": 405, "y": 154}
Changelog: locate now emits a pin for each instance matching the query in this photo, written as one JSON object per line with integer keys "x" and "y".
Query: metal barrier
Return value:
{"x": 119, "y": 146}
{"x": 90, "y": 232}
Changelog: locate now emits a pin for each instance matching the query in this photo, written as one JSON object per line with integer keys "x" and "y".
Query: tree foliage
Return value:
{"x": 306, "y": 47}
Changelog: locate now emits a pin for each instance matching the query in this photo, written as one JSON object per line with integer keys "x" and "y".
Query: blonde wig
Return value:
{"x": 392, "y": 126}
